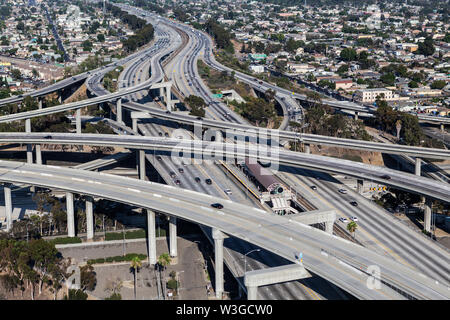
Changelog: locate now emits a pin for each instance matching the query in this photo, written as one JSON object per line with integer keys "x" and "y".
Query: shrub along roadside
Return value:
{"x": 127, "y": 257}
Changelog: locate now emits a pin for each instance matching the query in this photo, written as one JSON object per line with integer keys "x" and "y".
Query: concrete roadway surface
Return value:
{"x": 234, "y": 248}
{"x": 377, "y": 229}
{"x": 216, "y": 150}
{"x": 345, "y": 264}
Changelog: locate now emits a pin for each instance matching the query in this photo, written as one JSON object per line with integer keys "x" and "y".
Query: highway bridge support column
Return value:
{"x": 418, "y": 166}
{"x": 169, "y": 97}
{"x": 218, "y": 237}
{"x": 89, "y": 218}
{"x": 119, "y": 110}
{"x": 29, "y": 146}
{"x": 38, "y": 154}
{"x": 142, "y": 164}
{"x": 360, "y": 186}
{"x": 8, "y": 205}
{"x": 78, "y": 120}
{"x": 427, "y": 215}
{"x": 307, "y": 148}
{"x": 151, "y": 234}
{"x": 70, "y": 215}
{"x": 173, "y": 236}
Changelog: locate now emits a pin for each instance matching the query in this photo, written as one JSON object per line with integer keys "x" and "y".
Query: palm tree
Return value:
{"x": 351, "y": 227}
{"x": 136, "y": 263}
{"x": 164, "y": 260}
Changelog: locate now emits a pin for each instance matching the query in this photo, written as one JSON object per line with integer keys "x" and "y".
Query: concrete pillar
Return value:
{"x": 329, "y": 227}
{"x": 168, "y": 98}
{"x": 173, "y": 236}
{"x": 29, "y": 146}
{"x": 142, "y": 164}
{"x": 307, "y": 148}
{"x": 427, "y": 215}
{"x": 151, "y": 234}
{"x": 218, "y": 261}
{"x": 356, "y": 115}
{"x": 89, "y": 218}
{"x": 8, "y": 205}
{"x": 119, "y": 110}
{"x": 38, "y": 154}
{"x": 418, "y": 166}
{"x": 360, "y": 186}
{"x": 252, "y": 292}
{"x": 70, "y": 215}
{"x": 134, "y": 125}
{"x": 78, "y": 120}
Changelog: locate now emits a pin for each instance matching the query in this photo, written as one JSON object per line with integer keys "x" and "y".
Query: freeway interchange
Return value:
{"x": 339, "y": 261}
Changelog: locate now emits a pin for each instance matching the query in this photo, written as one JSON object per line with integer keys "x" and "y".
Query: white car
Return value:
{"x": 354, "y": 219}
{"x": 344, "y": 220}
{"x": 344, "y": 191}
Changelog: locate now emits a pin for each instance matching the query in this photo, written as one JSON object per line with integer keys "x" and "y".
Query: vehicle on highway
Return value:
{"x": 180, "y": 170}
{"x": 344, "y": 191}
{"x": 172, "y": 174}
{"x": 228, "y": 191}
{"x": 197, "y": 179}
{"x": 385, "y": 176}
{"x": 354, "y": 219}
{"x": 217, "y": 205}
{"x": 344, "y": 220}
{"x": 314, "y": 187}
{"x": 354, "y": 203}
{"x": 208, "y": 181}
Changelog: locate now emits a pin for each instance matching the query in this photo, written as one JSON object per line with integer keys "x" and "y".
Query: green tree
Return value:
{"x": 136, "y": 264}
{"x": 351, "y": 227}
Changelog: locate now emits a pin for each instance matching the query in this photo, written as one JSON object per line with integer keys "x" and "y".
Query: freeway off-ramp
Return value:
{"x": 337, "y": 260}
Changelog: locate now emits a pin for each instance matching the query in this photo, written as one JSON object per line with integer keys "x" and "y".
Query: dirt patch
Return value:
{"x": 374, "y": 158}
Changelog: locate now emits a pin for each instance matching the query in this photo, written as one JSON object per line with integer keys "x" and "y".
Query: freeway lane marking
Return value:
{"x": 46, "y": 174}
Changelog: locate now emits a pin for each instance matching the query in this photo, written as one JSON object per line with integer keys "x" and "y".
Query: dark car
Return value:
{"x": 208, "y": 181}
{"x": 354, "y": 203}
{"x": 172, "y": 174}
{"x": 217, "y": 205}
{"x": 197, "y": 179}
{"x": 385, "y": 176}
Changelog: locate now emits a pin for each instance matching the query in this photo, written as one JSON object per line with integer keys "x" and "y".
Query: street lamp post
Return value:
{"x": 245, "y": 259}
